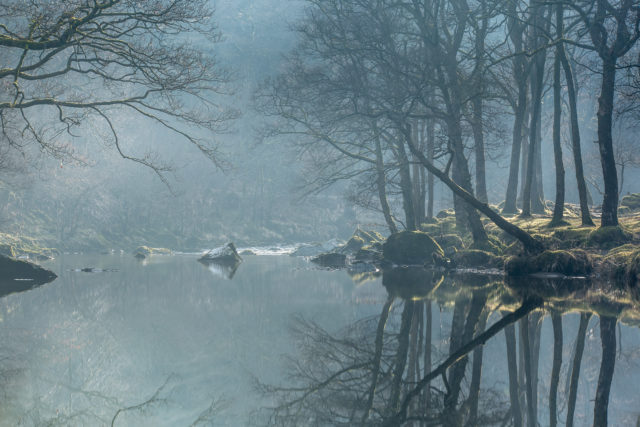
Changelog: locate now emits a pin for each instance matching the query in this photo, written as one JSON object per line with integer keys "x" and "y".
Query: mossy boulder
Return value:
{"x": 13, "y": 269}
{"x": 411, "y": 248}
{"x": 359, "y": 240}
{"x": 567, "y": 263}
{"x": 608, "y": 237}
{"x": 631, "y": 202}
{"x": 623, "y": 264}
{"x": 492, "y": 245}
{"x": 572, "y": 237}
{"x": 474, "y": 258}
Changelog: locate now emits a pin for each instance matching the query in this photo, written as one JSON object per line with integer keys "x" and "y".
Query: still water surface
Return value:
{"x": 172, "y": 342}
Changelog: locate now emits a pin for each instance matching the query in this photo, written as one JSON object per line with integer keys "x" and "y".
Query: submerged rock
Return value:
{"x": 226, "y": 255}
{"x": 313, "y": 249}
{"x": 331, "y": 260}
{"x": 14, "y": 269}
{"x": 411, "y": 248}
{"x": 248, "y": 252}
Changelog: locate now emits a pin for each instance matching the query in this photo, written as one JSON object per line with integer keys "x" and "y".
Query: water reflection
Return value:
{"x": 499, "y": 358}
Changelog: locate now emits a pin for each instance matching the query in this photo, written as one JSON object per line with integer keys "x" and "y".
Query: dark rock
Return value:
{"x": 226, "y": 255}
{"x": 12, "y": 269}
{"x": 331, "y": 260}
{"x": 411, "y": 248}
{"x": 248, "y": 252}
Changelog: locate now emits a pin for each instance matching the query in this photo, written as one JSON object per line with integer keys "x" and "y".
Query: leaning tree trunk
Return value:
{"x": 605, "y": 144}
{"x": 531, "y": 245}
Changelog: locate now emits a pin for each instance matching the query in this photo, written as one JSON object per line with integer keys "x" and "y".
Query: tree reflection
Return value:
{"x": 380, "y": 371}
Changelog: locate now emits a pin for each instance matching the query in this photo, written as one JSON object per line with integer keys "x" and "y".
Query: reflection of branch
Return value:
{"x": 526, "y": 307}
{"x": 153, "y": 399}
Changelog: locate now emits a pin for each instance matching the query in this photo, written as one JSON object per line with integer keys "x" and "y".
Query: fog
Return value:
{"x": 375, "y": 137}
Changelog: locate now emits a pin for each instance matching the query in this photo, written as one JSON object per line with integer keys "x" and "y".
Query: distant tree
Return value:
{"x": 80, "y": 64}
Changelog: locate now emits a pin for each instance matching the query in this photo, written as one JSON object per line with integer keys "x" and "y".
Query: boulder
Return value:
{"x": 474, "y": 258}
{"x": 411, "y": 248}
{"x": 247, "y": 252}
{"x": 631, "y": 202}
{"x": 14, "y": 269}
{"x": 360, "y": 239}
{"x": 225, "y": 255}
{"x": 331, "y": 260}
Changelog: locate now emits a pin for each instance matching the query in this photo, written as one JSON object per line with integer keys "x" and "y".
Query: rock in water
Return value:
{"x": 331, "y": 260}
{"x": 411, "y": 248}
{"x": 143, "y": 252}
{"x": 227, "y": 255}
{"x": 12, "y": 269}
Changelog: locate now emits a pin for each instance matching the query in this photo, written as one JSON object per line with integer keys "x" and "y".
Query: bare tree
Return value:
{"x": 81, "y": 64}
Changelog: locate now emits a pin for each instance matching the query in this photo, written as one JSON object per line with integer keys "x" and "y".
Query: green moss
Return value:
{"x": 568, "y": 263}
{"x": 473, "y": 258}
{"x": 608, "y": 237}
{"x": 449, "y": 241}
{"x": 492, "y": 245}
{"x": 411, "y": 248}
{"x": 631, "y": 202}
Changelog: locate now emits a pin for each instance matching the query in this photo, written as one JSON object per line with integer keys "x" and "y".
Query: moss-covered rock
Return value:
{"x": 474, "y": 258}
{"x": 411, "y": 248}
{"x": 631, "y": 202}
{"x": 142, "y": 252}
{"x": 568, "y": 263}
{"x": 608, "y": 237}
{"x": 492, "y": 245}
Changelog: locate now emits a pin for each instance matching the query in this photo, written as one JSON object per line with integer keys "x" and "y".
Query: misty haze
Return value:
{"x": 319, "y": 213}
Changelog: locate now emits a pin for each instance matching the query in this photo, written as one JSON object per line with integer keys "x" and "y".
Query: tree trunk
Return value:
{"x": 381, "y": 182}
{"x": 478, "y": 137}
{"x": 430, "y": 156}
{"x": 575, "y": 128}
{"x": 514, "y": 167}
{"x": 558, "y": 210}
{"x": 556, "y": 319}
{"x": 607, "y": 366}
{"x": 514, "y": 395}
{"x": 605, "y": 144}
{"x": 575, "y": 367}
{"x": 406, "y": 188}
